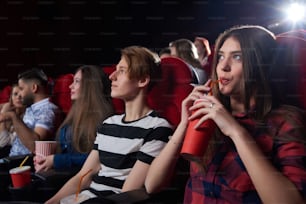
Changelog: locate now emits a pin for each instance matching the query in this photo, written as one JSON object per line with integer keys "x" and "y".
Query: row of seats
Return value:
{"x": 165, "y": 97}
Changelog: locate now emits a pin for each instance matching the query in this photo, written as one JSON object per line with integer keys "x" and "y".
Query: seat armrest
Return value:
{"x": 10, "y": 162}
{"x": 133, "y": 196}
{"x": 56, "y": 178}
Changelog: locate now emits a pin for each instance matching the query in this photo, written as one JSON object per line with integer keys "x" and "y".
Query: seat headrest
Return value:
{"x": 5, "y": 94}
{"x": 175, "y": 70}
{"x": 166, "y": 96}
{"x": 61, "y": 92}
{"x": 293, "y": 68}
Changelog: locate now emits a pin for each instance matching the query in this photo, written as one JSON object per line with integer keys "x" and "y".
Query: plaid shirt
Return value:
{"x": 227, "y": 180}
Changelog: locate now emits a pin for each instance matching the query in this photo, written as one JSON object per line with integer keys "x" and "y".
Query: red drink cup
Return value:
{"x": 21, "y": 176}
{"x": 196, "y": 140}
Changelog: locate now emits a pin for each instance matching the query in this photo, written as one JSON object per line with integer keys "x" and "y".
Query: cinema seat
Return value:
{"x": 291, "y": 72}
{"x": 61, "y": 92}
{"x": 167, "y": 96}
{"x": 5, "y": 94}
{"x": 301, "y": 33}
{"x": 118, "y": 103}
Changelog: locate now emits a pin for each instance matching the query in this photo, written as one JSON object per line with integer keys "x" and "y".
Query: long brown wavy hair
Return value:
{"x": 91, "y": 108}
{"x": 257, "y": 46}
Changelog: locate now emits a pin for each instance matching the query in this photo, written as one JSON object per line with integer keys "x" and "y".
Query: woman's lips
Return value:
{"x": 224, "y": 81}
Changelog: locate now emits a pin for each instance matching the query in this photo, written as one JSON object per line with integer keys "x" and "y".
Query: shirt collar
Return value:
{"x": 39, "y": 103}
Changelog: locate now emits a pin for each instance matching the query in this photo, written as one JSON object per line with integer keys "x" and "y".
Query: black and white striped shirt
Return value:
{"x": 121, "y": 144}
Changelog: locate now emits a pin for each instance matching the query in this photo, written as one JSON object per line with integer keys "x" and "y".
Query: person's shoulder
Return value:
{"x": 287, "y": 111}
{"x": 113, "y": 119}
{"x": 48, "y": 102}
{"x": 287, "y": 115}
{"x": 159, "y": 121}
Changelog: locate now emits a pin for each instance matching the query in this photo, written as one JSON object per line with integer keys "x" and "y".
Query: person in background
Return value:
{"x": 203, "y": 49}
{"x": 7, "y": 131}
{"x": 186, "y": 50}
{"x": 125, "y": 144}
{"x": 258, "y": 152}
{"x": 92, "y": 103}
{"x": 164, "y": 52}
{"x": 41, "y": 117}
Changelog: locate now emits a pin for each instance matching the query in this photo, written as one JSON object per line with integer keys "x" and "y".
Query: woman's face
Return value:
{"x": 173, "y": 51}
{"x": 229, "y": 67}
{"x": 76, "y": 85}
{"x": 200, "y": 47}
{"x": 16, "y": 97}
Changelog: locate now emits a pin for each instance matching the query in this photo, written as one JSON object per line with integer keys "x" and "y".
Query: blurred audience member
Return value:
{"x": 41, "y": 116}
{"x": 90, "y": 93}
{"x": 203, "y": 49}
{"x": 164, "y": 52}
{"x": 186, "y": 50}
{"x": 7, "y": 131}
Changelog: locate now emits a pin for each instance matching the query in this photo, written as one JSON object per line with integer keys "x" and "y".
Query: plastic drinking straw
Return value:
{"x": 212, "y": 83}
{"x": 24, "y": 160}
{"x": 80, "y": 183}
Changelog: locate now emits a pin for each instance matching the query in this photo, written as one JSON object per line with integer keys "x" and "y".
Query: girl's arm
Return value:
{"x": 163, "y": 166}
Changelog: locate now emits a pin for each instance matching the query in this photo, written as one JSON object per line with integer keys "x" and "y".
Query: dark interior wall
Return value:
{"x": 59, "y": 36}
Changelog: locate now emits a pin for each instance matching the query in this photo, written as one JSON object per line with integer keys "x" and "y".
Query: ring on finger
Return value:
{"x": 211, "y": 105}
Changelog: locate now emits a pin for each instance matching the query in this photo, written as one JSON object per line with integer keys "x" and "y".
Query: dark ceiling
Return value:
{"x": 60, "y": 35}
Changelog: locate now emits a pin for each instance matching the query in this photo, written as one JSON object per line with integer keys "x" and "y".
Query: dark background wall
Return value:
{"x": 59, "y": 36}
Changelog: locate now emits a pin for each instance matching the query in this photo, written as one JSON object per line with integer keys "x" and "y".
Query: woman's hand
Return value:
{"x": 6, "y": 116}
{"x": 208, "y": 107}
{"x": 43, "y": 163}
{"x": 197, "y": 93}
{"x": 7, "y": 107}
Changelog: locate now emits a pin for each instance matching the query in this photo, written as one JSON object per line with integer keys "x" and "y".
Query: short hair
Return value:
{"x": 142, "y": 62}
{"x": 34, "y": 74}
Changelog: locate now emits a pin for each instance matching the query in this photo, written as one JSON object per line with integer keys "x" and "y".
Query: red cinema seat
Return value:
{"x": 208, "y": 66}
{"x": 118, "y": 103}
{"x": 293, "y": 68}
{"x": 301, "y": 33}
{"x": 61, "y": 92}
{"x": 5, "y": 94}
{"x": 167, "y": 96}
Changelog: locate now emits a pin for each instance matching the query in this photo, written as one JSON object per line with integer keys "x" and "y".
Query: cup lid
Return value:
{"x": 19, "y": 169}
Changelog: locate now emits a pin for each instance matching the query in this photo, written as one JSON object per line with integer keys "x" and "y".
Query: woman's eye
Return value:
{"x": 220, "y": 57}
{"x": 237, "y": 57}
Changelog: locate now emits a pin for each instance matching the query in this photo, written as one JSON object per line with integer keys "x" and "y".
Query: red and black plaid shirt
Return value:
{"x": 282, "y": 140}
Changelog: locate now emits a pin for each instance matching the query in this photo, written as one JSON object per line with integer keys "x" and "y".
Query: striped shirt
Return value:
{"x": 121, "y": 144}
